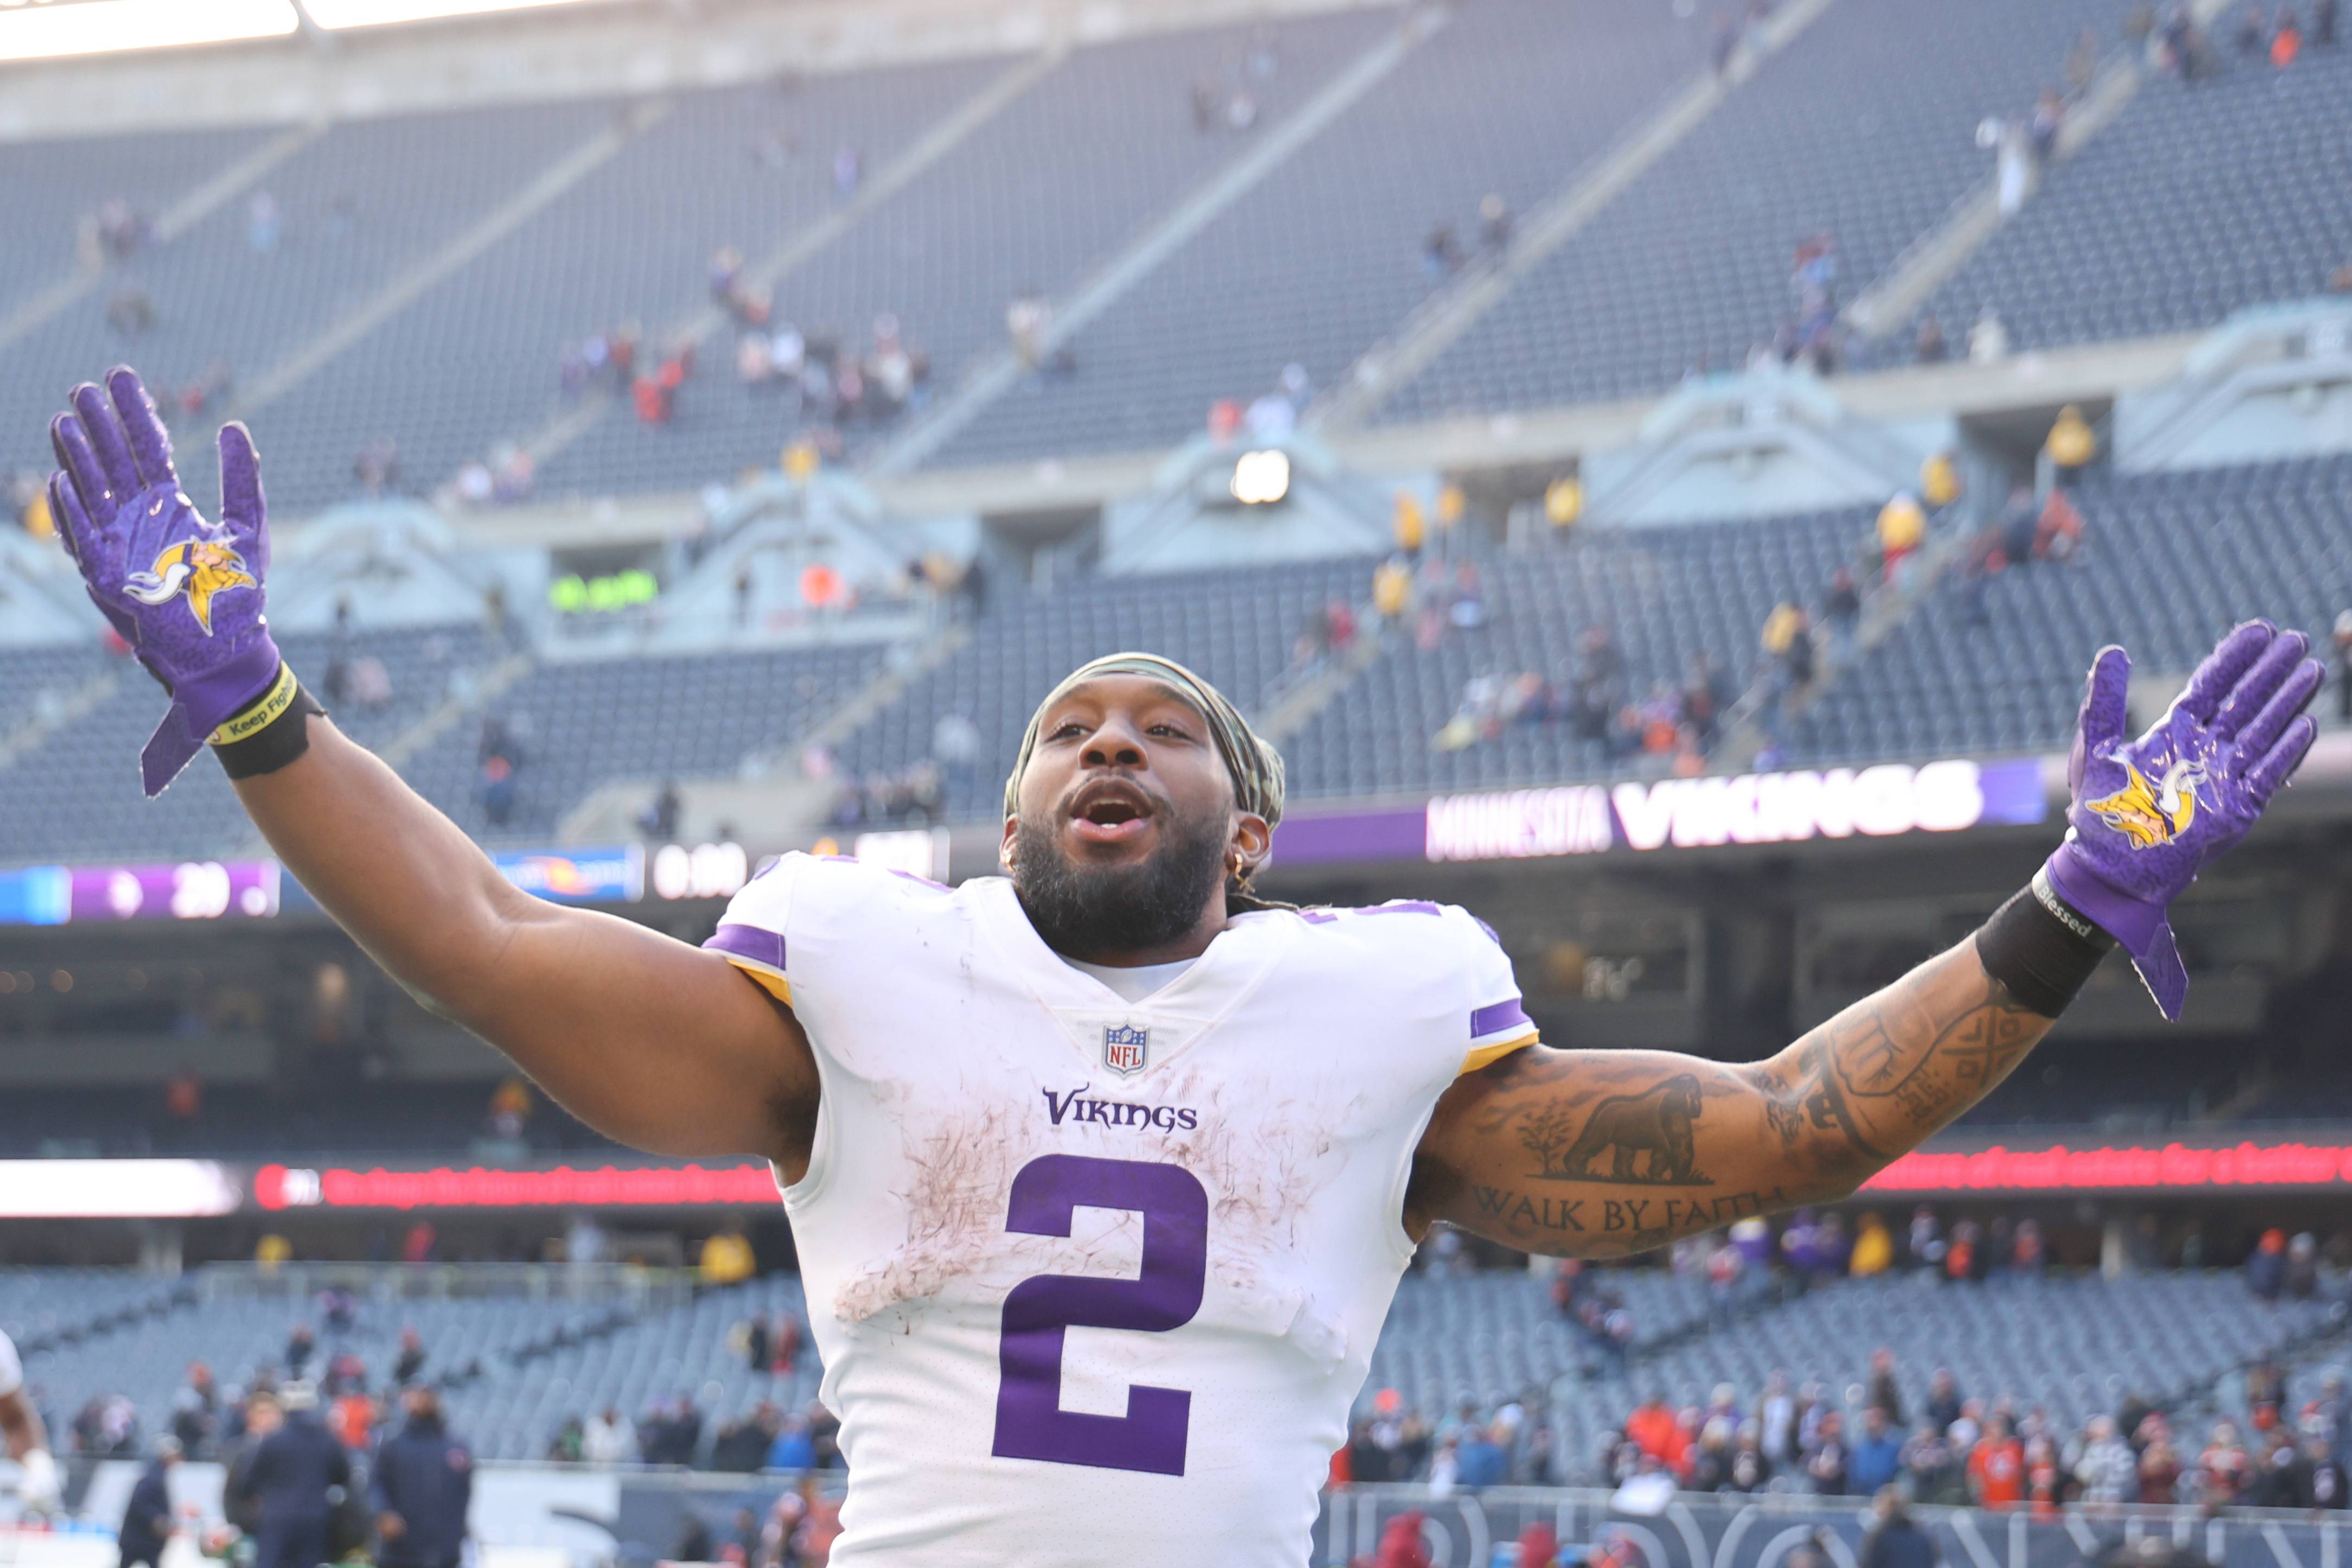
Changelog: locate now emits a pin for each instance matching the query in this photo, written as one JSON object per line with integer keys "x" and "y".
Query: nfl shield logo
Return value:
{"x": 1124, "y": 1049}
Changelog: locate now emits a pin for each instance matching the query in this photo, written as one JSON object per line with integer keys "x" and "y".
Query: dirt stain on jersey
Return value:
{"x": 955, "y": 1211}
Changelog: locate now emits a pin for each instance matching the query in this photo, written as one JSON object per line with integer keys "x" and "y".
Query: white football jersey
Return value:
{"x": 1098, "y": 1282}
{"x": 12, "y": 1371}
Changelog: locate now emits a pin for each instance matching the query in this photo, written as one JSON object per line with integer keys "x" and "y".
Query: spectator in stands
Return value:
{"x": 410, "y": 1362}
{"x": 1943, "y": 1398}
{"x": 1825, "y": 1459}
{"x": 2303, "y": 1267}
{"x": 421, "y": 1487}
{"x": 1997, "y": 1466}
{"x": 1928, "y": 346}
{"x": 1987, "y": 339}
{"x": 743, "y": 1444}
{"x": 496, "y": 791}
{"x": 2058, "y": 529}
{"x": 1928, "y": 1458}
{"x": 1902, "y": 529}
{"x": 2324, "y": 1479}
{"x": 2224, "y": 1470}
{"x": 727, "y": 1258}
{"x": 565, "y": 1447}
{"x": 2108, "y": 1471}
{"x": 1480, "y": 1457}
{"x": 2252, "y": 29}
{"x": 1441, "y": 252}
{"x": 2286, "y": 43}
{"x": 2042, "y": 130}
{"x": 606, "y": 1438}
{"x": 2159, "y": 1463}
{"x": 299, "y": 1346}
{"x": 2265, "y": 1392}
{"x": 1495, "y": 221}
{"x": 1874, "y": 1253}
{"x": 1875, "y": 1456}
{"x": 792, "y": 1449}
{"x": 195, "y": 1411}
{"x": 1776, "y": 1414}
{"x": 2266, "y": 1269}
{"x": 658, "y": 821}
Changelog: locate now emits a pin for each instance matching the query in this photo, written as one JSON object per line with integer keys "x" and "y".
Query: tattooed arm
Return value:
{"x": 1591, "y": 1152}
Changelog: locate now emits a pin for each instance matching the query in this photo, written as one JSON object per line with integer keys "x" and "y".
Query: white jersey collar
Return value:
{"x": 1238, "y": 961}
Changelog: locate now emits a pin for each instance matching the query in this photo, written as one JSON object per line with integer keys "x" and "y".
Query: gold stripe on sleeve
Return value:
{"x": 768, "y": 980}
{"x": 1487, "y": 1055}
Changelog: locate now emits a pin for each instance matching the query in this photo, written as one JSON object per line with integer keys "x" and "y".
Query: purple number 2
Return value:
{"x": 1030, "y": 1421}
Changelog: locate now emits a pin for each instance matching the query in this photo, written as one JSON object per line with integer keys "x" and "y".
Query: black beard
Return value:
{"x": 1081, "y": 911}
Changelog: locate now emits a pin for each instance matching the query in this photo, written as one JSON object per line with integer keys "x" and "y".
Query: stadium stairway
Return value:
{"x": 360, "y": 208}
{"x": 1861, "y": 129}
{"x": 1892, "y": 298}
{"x": 541, "y": 192}
{"x": 705, "y": 324}
{"x": 1442, "y": 319}
{"x": 1324, "y": 256}
{"x": 2168, "y": 562}
{"x": 997, "y": 375}
{"x": 47, "y": 196}
{"x": 2201, "y": 199}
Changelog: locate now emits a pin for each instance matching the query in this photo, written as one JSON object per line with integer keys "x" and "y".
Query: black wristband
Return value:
{"x": 2041, "y": 948}
{"x": 283, "y": 734}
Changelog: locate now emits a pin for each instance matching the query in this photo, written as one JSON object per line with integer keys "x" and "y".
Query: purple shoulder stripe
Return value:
{"x": 765, "y": 947}
{"x": 1487, "y": 1020}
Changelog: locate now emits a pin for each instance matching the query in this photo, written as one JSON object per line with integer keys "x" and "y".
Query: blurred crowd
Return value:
{"x": 1961, "y": 1447}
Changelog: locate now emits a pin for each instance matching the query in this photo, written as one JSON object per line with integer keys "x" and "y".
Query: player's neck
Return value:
{"x": 1192, "y": 944}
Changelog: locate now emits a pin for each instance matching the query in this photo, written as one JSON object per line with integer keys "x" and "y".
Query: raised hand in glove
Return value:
{"x": 186, "y": 592}
{"x": 2149, "y": 813}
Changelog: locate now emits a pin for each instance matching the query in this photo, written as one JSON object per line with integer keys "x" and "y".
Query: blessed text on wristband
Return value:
{"x": 2041, "y": 948}
{"x": 268, "y": 733}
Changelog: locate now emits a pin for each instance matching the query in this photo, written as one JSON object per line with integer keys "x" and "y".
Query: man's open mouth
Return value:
{"x": 1111, "y": 811}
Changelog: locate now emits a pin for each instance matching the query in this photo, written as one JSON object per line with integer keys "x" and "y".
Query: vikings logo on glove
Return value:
{"x": 2152, "y": 816}
{"x": 199, "y": 568}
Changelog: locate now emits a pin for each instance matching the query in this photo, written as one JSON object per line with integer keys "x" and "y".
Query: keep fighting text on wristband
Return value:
{"x": 269, "y": 732}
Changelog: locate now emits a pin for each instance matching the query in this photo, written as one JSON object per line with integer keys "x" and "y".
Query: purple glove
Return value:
{"x": 184, "y": 594}
{"x": 2148, "y": 815}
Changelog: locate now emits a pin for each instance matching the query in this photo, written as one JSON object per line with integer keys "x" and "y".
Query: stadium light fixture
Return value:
{"x": 1261, "y": 478}
{"x": 336, "y": 14}
{"x": 41, "y": 32}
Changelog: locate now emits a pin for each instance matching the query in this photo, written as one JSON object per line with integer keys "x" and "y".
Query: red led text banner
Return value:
{"x": 2062, "y": 1169}
{"x": 607, "y": 1186}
